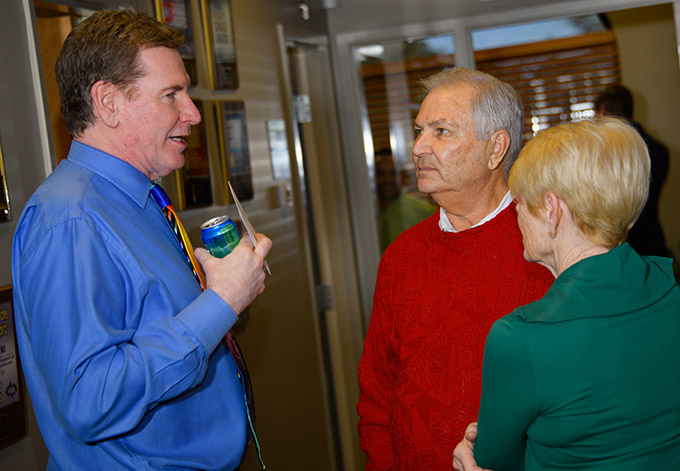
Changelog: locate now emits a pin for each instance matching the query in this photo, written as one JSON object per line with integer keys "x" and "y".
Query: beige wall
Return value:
{"x": 648, "y": 53}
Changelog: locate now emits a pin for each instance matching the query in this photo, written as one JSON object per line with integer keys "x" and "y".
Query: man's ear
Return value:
{"x": 104, "y": 102}
{"x": 498, "y": 147}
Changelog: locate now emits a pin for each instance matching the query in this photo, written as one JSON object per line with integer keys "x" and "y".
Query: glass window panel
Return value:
{"x": 523, "y": 33}
{"x": 559, "y": 67}
{"x": 390, "y": 71}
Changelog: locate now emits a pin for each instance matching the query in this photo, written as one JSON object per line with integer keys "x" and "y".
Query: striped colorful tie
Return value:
{"x": 177, "y": 228}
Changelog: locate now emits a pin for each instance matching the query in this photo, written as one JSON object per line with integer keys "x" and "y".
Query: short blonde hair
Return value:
{"x": 600, "y": 168}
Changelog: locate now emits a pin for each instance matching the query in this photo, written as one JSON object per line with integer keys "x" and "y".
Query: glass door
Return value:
{"x": 390, "y": 72}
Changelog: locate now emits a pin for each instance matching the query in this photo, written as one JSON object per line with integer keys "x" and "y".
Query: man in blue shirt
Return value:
{"x": 122, "y": 350}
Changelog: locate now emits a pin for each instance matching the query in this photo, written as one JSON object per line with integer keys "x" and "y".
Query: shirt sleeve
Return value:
{"x": 508, "y": 403}
{"x": 377, "y": 377}
{"x": 104, "y": 363}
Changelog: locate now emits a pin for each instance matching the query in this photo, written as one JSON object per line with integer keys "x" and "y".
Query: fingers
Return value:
{"x": 460, "y": 457}
{"x": 463, "y": 454}
{"x": 239, "y": 277}
{"x": 245, "y": 240}
{"x": 457, "y": 465}
{"x": 471, "y": 432}
{"x": 264, "y": 245}
{"x": 202, "y": 255}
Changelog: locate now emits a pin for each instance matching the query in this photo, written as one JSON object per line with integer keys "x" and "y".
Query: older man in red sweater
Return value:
{"x": 442, "y": 283}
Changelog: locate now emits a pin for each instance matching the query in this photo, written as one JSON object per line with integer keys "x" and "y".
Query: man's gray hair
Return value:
{"x": 496, "y": 106}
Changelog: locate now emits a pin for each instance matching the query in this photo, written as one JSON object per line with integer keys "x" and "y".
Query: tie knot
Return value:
{"x": 160, "y": 196}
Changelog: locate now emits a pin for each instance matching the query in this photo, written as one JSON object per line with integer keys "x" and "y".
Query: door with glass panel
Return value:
{"x": 390, "y": 72}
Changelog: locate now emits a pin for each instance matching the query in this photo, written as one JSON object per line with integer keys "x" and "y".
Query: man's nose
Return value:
{"x": 421, "y": 144}
{"x": 190, "y": 113}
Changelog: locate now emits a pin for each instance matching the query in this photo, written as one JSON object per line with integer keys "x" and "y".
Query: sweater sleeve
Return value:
{"x": 377, "y": 377}
{"x": 508, "y": 403}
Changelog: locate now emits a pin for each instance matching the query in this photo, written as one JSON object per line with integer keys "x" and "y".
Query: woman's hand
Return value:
{"x": 463, "y": 455}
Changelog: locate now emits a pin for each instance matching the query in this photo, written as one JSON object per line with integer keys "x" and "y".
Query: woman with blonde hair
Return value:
{"x": 587, "y": 376}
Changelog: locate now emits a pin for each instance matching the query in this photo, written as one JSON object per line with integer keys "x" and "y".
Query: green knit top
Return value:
{"x": 588, "y": 377}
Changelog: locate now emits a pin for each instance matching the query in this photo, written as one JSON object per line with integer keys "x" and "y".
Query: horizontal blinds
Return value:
{"x": 559, "y": 80}
{"x": 393, "y": 95}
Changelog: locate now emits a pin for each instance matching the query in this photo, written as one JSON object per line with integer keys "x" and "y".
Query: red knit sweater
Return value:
{"x": 435, "y": 300}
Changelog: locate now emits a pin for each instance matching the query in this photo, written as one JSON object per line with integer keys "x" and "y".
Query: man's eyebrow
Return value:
{"x": 439, "y": 122}
{"x": 174, "y": 88}
{"x": 435, "y": 123}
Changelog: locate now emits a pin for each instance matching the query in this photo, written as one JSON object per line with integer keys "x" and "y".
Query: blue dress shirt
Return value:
{"x": 122, "y": 351}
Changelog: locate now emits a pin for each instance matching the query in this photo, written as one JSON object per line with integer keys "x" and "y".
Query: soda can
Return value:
{"x": 220, "y": 235}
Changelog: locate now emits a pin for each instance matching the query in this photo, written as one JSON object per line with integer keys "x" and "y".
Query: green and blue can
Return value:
{"x": 220, "y": 235}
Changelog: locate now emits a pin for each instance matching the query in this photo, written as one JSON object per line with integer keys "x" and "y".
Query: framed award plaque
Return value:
{"x": 233, "y": 134}
{"x": 177, "y": 13}
{"x": 219, "y": 31}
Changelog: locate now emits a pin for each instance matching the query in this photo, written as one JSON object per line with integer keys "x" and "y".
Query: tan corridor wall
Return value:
{"x": 648, "y": 53}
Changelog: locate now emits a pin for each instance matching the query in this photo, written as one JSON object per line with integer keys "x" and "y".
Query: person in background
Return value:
{"x": 443, "y": 282}
{"x": 399, "y": 210}
{"x": 586, "y": 377}
{"x": 122, "y": 350}
{"x": 646, "y": 236}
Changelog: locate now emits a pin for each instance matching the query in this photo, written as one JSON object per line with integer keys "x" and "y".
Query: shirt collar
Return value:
{"x": 446, "y": 226}
{"x": 124, "y": 176}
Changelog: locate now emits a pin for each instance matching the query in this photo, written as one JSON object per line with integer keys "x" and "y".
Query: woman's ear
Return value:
{"x": 499, "y": 144}
{"x": 553, "y": 212}
{"x": 104, "y": 102}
